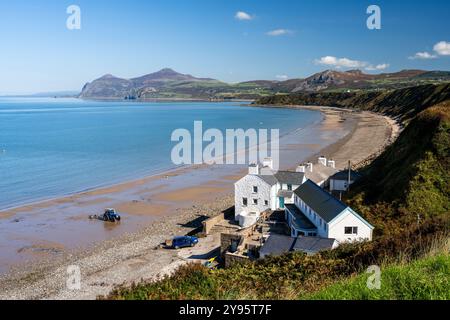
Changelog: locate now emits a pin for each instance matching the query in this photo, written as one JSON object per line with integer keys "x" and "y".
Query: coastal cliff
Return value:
{"x": 402, "y": 104}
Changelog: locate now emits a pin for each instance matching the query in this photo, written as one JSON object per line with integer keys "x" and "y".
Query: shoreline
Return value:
{"x": 160, "y": 99}
{"x": 395, "y": 129}
{"x": 110, "y": 257}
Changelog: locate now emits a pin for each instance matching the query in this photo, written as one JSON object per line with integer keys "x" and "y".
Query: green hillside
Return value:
{"x": 424, "y": 279}
{"x": 402, "y": 103}
{"x": 419, "y": 170}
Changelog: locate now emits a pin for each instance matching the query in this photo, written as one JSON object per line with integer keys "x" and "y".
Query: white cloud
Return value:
{"x": 423, "y": 55}
{"x": 442, "y": 48}
{"x": 378, "y": 67}
{"x": 340, "y": 62}
{"x": 282, "y": 77}
{"x": 349, "y": 63}
{"x": 241, "y": 15}
{"x": 278, "y": 32}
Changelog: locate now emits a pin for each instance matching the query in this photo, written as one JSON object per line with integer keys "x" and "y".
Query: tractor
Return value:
{"x": 111, "y": 215}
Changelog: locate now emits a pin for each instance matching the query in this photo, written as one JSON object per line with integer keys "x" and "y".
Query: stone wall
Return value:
{"x": 226, "y": 240}
{"x": 211, "y": 222}
{"x": 231, "y": 259}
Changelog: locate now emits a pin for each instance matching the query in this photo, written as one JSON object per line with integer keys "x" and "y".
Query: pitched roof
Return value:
{"x": 283, "y": 177}
{"x": 313, "y": 244}
{"x": 285, "y": 193}
{"x": 320, "y": 173}
{"x": 343, "y": 175}
{"x": 276, "y": 244}
{"x": 324, "y": 204}
{"x": 290, "y": 177}
{"x": 269, "y": 179}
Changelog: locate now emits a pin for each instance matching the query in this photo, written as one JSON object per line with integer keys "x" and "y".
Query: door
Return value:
{"x": 281, "y": 203}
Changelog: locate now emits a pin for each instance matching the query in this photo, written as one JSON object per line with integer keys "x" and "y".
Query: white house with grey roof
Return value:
{"x": 341, "y": 180}
{"x": 319, "y": 172}
{"x": 263, "y": 189}
{"x": 316, "y": 213}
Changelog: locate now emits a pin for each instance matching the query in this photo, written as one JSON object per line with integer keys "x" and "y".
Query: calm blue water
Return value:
{"x": 54, "y": 147}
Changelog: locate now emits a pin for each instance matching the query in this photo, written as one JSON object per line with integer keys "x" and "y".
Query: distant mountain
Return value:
{"x": 170, "y": 84}
{"x": 165, "y": 83}
{"x": 165, "y": 75}
{"x": 107, "y": 86}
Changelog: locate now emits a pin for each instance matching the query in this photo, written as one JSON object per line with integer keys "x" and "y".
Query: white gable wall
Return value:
{"x": 348, "y": 219}
{"x": 244, "y": 189}
{"x": 339, "y": 185}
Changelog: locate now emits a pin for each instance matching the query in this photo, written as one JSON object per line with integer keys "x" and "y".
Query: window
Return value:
{"x": 255, "y": 189}
{"x": 266, "y": 202}
{"x": 244, "y": 201}
{"x": 289, "y": 187}
{"x": 255, "y": 201}
{"x": 351, "y": 230}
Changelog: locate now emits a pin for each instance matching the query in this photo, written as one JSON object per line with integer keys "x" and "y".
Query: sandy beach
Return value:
{"x": 157, "y": 208}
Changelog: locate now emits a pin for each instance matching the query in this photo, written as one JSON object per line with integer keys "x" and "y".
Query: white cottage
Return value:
{"x": 340, "y": 180}
{"x": 316, "y": 213}
{"x": 262, "y": 189}
{"x": 320, "y": 172}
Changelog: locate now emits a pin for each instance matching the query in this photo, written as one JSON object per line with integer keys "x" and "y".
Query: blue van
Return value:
{"x": 183, "y": 242}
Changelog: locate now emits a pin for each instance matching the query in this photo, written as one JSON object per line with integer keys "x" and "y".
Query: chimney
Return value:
{"x": 323, "y": 161}
{"x": 268, "y": 162}
{"x": 332, "y": 163}
{"x": 253, "y": 169}
{"x": 309, "y": 166}
{"x": 301, "y": 168}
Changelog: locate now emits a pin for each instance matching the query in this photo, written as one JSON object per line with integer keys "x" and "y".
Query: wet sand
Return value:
{"x": 153, "y": 209}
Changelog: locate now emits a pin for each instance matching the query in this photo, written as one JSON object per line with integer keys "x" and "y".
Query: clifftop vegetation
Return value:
{"x": 403, "y": 104}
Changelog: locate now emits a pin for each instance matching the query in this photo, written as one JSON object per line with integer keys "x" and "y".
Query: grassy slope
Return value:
{"x": 416, "y": 168}
{"x": 411, "y": 177}
{"x": 424, "y": 279}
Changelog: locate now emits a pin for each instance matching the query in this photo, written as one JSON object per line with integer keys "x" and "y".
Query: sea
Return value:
{"x": 52, "y": 147}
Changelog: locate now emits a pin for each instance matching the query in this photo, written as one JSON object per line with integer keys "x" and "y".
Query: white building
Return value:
{"x": 340, "y": 180}
{"x": 320, "y": 172}
{"x": 316, "y": 213}
{"x": 262, "y": 189}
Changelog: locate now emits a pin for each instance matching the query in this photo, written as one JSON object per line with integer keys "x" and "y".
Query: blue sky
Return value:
{"x": 205, "y": 38}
